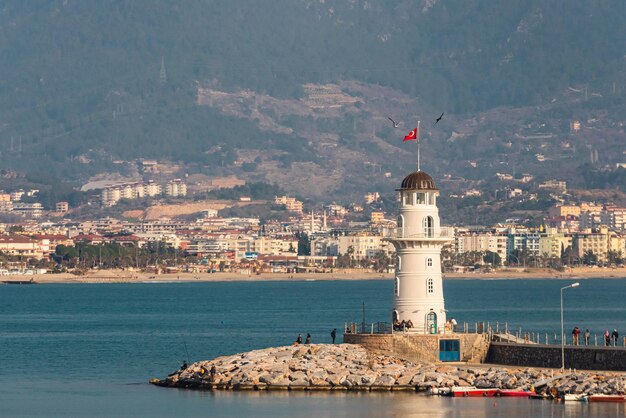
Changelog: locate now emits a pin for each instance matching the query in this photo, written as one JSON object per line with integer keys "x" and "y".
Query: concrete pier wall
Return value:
{"x": 576, "y": 357}
{"x": 422, "y": 347}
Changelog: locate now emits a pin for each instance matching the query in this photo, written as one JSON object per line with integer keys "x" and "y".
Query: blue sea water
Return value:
{"x": 89, "y": 349}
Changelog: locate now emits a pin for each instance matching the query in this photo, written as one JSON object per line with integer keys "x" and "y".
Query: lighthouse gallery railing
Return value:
{"x": 401, "y": 233}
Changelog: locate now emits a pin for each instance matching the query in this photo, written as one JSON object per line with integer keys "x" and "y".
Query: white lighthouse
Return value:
{"x": 418, "y": 292}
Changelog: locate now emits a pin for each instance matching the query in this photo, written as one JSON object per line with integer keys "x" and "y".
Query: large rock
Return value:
{"x": 317, "y": 381}
{"x": 280, "y": 381}
{"x": 335, "y": 379}
{"x": 298, "y": 376}
{"x": 351, "y": 381}
{"x": 386, "y": 380}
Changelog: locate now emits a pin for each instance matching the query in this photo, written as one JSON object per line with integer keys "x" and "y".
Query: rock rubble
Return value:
{"x": 352, "y": 367}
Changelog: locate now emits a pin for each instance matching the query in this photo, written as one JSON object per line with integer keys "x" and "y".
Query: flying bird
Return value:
{"x": 438, "y": 119}
{"x": 395, "y": 124}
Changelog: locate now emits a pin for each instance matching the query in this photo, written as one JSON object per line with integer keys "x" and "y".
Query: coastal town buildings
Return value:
{"x": 355, "y": 234}
{"x": 233, "y": 239}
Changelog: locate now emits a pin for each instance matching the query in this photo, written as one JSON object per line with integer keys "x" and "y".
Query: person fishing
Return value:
{"x": 184, "y": 365}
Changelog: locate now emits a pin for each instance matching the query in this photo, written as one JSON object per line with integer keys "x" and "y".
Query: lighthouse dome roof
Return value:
{"x": 418, "y": 180}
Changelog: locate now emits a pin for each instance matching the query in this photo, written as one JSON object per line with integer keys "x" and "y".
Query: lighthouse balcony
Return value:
{"x": 402, "y": 233}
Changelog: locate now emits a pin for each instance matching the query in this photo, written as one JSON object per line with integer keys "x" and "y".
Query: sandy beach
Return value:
{"x": 119, "y": 276}
{"x": 545, "y": 273}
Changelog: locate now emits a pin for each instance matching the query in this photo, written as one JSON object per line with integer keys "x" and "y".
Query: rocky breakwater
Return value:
{"x": 352, "y": 367}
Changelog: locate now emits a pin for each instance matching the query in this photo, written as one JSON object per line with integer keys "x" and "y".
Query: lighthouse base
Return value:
{"x": 454, "y": 347}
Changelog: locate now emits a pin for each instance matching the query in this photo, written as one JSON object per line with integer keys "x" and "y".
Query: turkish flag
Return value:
{"x": 414, "y": 134}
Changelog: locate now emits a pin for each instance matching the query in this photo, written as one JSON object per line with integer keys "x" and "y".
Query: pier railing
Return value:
{"x": 368, "y": 328}
{"x": 499, "y": 332}
{"x": 503, "y": 332}
{"x": 389, "y": 328}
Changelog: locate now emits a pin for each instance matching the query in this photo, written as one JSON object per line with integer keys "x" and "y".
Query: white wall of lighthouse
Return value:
{"x": 418, "y": 292}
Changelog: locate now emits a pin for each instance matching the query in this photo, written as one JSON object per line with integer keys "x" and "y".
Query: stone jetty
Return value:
{"x": 351, "y": 367}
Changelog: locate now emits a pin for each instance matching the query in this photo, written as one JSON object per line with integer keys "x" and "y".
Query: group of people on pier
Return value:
{"x": 402, "y": 325}
{"x": 333, "y": 336}
{"x": 610, "y": 339}
{"x": 299, "y": 339}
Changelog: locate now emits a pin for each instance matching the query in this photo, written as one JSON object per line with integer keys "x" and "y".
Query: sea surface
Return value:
{"x": 90, "y": 349}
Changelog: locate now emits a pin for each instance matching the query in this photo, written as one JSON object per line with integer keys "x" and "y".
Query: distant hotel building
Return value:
{"x": 556, "y": 185}
{"x": 290, "y": 203}
{"x": 176, "y": 188}
{"x": 371, "y": 198}
{"x": 62, "y": 207}
{"x": 377, "y": 218}
{"x": 113, "y": 194}
{"x": 28, "y": 210}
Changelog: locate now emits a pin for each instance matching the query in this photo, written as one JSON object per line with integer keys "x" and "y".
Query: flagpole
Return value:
{"x": 417, "y": 139}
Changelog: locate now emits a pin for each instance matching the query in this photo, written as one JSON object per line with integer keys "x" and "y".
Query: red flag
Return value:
{"x": 414, "y": 134}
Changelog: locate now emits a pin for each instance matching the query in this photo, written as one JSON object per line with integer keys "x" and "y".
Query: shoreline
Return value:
{"x": 119, "y": 276}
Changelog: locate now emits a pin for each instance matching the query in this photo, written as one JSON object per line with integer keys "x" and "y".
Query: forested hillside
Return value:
{"x": 86, "y": 83}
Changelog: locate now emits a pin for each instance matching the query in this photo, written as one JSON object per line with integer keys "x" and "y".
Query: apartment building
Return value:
{"x": 564, "y": 211}
{"x": 22, "y": 246}
{"x": 290, "y": 203}
{"x": 597, "y": 242}
{"x": 377, "y": 218}
{"x": 614, "y": 218}
{"x": 175, "y": 188}
{"x": 523, "y": 241}
{"x": 482, "y": 242}
{"x": 62, "y": 207}
{"x": 552, "y": 243}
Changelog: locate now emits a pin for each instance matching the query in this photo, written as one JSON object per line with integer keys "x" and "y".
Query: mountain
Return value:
{"x": 297, "y": 92}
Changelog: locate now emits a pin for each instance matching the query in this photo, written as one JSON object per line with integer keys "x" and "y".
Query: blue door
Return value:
{"x": 449, "y": 350}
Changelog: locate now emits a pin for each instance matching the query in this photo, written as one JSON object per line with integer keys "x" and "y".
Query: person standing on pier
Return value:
{"x": 615, "y": 336}
{"x": 575, "y": 335}
{"x": 587, "y": 335}
{"x": 453, "y": 324}
{"x": 333, "y": 334}
{"x": 607, "y": 338}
